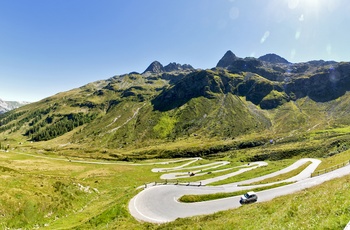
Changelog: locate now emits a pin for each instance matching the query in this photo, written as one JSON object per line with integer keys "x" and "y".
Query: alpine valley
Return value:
{"x": 130, "y": 116}
{"x": 242, "y": 110}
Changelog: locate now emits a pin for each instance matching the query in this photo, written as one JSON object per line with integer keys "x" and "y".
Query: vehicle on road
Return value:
{"x": 249, "y": 197}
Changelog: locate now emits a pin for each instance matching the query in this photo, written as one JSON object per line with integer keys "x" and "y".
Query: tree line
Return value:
{"x": 57, "y": 125}
{"x": 11, "y": 120}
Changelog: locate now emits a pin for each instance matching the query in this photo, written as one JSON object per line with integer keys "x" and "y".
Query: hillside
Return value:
{"x": 266, "y": 97}
{"x": 61, "y": 156}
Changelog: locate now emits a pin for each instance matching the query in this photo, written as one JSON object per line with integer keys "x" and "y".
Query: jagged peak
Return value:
{"x": 230, "y": 54}
{"x": 227, "y": 59}
{"x": 155, "y": 67}
{"x": 173, "y": 66}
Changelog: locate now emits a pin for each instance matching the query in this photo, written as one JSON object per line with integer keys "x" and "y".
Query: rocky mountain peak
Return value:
{"x": 173, "y": 66}
{"x": 273, "y": 58}
{"x": 155, "y": 67}
{"x": 227, "y": 59}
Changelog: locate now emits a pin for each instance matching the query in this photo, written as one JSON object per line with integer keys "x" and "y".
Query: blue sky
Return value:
{"x": 50, "y": 46}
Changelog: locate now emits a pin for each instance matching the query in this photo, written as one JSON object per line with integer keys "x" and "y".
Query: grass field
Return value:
{"x": 39, "y": 192}
{"x": 48, "y": 190}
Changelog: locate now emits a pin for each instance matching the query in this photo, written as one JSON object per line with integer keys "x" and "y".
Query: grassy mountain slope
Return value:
{"x": 241, "y": 113}
{"x": 134, "y": 112}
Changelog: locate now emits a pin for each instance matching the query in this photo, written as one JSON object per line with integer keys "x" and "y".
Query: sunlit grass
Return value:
{"x": 206, "y": 197}
{"x": 333, "y": 162}
{"x": 329, "y": 162}
{"x": 206, "y": 175}
{"x": 38, "y": 192}
{"x": 283, "y": 176}
{"x": 272, "y": 166}
{"x": 342, "y": 130}
{"x": 23, "y": 175}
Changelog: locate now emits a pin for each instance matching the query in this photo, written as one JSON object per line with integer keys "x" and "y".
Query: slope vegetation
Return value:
{"x": 179, "y": 111}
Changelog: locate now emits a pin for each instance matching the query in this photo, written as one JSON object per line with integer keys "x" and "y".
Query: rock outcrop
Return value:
{"x": 157, "y": 68}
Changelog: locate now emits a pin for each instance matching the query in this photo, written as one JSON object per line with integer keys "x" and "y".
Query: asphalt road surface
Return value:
{"x": 159, "y": 204}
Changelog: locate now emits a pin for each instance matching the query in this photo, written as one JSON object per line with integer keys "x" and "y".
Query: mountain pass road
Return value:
{"x": 159, "y": 204}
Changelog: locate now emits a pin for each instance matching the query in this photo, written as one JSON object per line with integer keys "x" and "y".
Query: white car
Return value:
{"x": 249, "y": 197}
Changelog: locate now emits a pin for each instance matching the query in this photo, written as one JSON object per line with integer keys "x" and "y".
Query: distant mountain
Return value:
{"x": 167, "y": 103}
{"x": 177, "y": 67}
{"x": 156, "y": 67}
{"x": 230, "y": 59}
{"x": 6, "y": 106}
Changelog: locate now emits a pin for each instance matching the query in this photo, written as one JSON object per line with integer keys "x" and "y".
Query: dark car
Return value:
{"x": 249, "y": 197}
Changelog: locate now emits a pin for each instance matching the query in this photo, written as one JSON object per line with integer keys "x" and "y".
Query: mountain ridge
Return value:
{"x": 61, "y": 156}
{"x": 156, "y": 68}
{"x": 165, "y": 104}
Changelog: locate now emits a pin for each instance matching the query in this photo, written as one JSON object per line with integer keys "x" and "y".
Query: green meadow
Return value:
{"x": 54, "y": 190}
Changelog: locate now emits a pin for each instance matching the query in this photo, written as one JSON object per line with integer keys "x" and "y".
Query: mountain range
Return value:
{"x": 6, "y": 106}
{"x": 268, "y": 96}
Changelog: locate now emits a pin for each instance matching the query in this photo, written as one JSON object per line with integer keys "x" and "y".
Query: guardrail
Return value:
{"x": 198, "y": 184}
{"x": 330, "y": 169}
{"x": 171, "y": 182}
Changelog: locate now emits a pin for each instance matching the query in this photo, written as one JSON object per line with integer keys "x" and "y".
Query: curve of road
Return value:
{"x": 159, "y": 204}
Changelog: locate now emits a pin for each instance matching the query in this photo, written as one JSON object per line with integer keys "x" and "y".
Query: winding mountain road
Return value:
{"x": 159, "y": 204}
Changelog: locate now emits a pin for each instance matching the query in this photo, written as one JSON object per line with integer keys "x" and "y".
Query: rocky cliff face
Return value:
{"x": 324, "y": 84}
{"x": 268, "y": 81}
{"x": 203, "y": 83}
